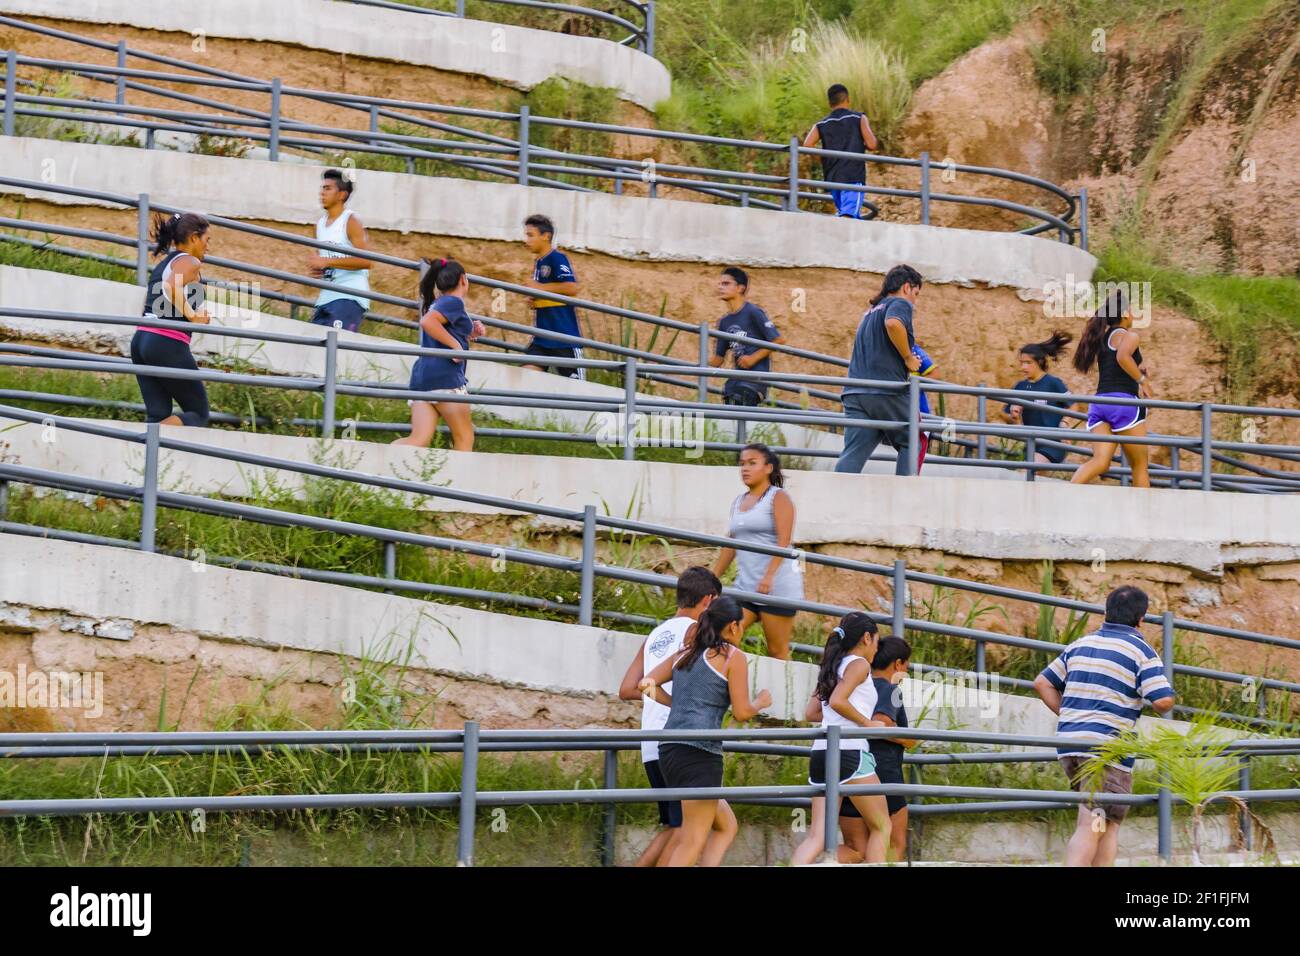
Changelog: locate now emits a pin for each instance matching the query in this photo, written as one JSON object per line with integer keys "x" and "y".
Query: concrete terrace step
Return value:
{"x": 628, "y": 227}
{"x": 959, "y": 515}
{"x": 514, "y": 56}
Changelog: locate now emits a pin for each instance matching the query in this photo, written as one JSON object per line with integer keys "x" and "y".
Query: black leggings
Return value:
{"x": 150, "y": 348}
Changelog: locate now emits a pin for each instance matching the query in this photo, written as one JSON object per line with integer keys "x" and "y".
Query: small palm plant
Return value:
{"x": 1194, "y": 766}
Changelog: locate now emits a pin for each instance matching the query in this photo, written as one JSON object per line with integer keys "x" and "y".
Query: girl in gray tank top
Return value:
{"x": 702, "y": 676}
{"x": 764, "y": 514}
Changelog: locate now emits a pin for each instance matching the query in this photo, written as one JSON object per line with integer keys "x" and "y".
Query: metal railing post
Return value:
{"x": 925, "y": 190}
{"x": 1083, "y": 218}
{"x": 704, "y": 361}
{"x": 331, "y": 382}
{"x": 982, "y": 441}
{"x": 1243, "y": 783}
{"x": 831, "y": 839}
{"x": 981, "y": 660}
{"x": 1173, "y": 466}
{"x": 142, "y": 240}
{"x": 390, "y": 563}
{"x": 4, "y": 498}
{"x": 273, "y": 145}
{"x": 374, "y": 121}
{"x": 468, "y": 795}
{"x": 1165, "y": 802}
{"x": 587, "y": 594}
{"x": 629, "y": 409}
{"x": 792, "y": 199}
{"x": 523, "y": 145}
{"x": 913, "y": 423}
{"x": 610, "y": 823}
{"x": 1207, "y": 447}
{"x": 11, "y": 89}
{"x": 149, "y": 498}
{"x": 1167, "y": 648}
{"x": 1031, "y": 452}
{"x": 650, "y": 27}
{"x": 899, "y": 605}
{"x": 460, "y": 9}
{"x": 120, "y": 93}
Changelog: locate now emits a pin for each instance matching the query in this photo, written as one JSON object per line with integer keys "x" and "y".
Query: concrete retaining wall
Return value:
{"x": 514, "y": 56}
{"x": 1043, "y": 520}
{"x": 629, "y": 227}
{"x": 108, "y": 591}
{"x": 54, "y": 291}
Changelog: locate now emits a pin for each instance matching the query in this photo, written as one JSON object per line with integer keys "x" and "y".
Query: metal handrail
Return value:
{"x": 472, "y": 741}
{"x": 152, "y": 497}
{"x": 788, "y": 188}
{"x": 643, "y": 36}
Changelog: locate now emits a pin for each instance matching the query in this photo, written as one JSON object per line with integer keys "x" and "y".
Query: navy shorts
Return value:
{"x": 568, "y": 371}
{"x": 670, "y": 811}
{"x": 864, "y": 766}
{"x": 761, "y": 609}
{"x": 346, "y": 314}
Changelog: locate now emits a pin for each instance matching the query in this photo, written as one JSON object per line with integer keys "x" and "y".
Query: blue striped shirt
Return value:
{"x": 1103, "y": 678}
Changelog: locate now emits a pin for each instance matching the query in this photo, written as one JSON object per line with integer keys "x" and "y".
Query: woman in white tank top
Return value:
{"x": 845, "y": 697}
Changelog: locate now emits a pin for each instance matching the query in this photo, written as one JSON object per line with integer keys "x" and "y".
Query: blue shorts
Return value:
{"x": 344, "y": 314}
{"x": 848, "y": 202}
{"x": 1119, "y": 417}
{"x": 433, "y": 374}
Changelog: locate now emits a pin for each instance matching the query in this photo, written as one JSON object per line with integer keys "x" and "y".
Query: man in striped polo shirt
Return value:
{"x": 1096, "y": 688}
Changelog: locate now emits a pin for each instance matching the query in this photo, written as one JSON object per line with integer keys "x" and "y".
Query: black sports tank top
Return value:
{"x": 1111, "y": 377}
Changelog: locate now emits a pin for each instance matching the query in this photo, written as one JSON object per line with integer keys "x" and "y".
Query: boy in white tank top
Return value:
{"x": 340, "y": 227}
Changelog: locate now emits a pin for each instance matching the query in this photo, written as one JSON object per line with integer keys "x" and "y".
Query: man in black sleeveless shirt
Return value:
{"x": 845, "y": 130}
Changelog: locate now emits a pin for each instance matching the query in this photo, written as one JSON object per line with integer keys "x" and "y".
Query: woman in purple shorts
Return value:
{"x": 1110, "y": 342}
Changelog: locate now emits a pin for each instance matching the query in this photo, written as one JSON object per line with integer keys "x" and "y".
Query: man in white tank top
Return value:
{"x": 696, "y": 589}
{"x": 340, "y": 227}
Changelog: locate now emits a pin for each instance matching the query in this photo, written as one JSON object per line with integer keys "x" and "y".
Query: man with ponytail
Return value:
{"x": 882, "y": 351}
{"x": 1034, "y": 358}
{"x": 709, "y": 675}
{"x": 174, "y": 293}
{"x": 845, "y": 697}
{"x": 696, "y": 589}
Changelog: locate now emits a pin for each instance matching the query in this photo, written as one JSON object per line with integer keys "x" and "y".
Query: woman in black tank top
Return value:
{"x": 175, "y": 294}
{"x": 1110, "y": 342}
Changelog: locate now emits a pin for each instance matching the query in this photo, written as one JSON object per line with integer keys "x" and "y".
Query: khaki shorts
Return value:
{"x": 1113, "y": 780}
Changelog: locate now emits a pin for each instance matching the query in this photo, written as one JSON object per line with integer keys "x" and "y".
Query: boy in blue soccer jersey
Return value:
{"x": 552, "y": 272}
{"x": 1096, "y": 687}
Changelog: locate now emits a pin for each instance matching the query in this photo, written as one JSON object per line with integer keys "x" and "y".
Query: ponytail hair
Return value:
{"x": 771, "y": 458}
{"x": 853, "y": 627}
{"x": 720, "y": 613}
{"x": 895, "y": 279}
{"x": 169, "y": 231}
{"x": 437, "y": 276}
{"x": 1043, "y": 352}
{"x": 1105, "y": 319}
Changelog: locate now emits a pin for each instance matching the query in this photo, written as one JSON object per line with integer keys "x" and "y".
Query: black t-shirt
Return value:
{"x": 752, "y": 322}
{"x": 889, "y": 701}
{"x": 842, "y": 131}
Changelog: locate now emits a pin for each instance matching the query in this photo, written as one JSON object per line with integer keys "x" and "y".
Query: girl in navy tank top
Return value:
{"x": 444, "y": 325}
{"x": 1110, "y": 342}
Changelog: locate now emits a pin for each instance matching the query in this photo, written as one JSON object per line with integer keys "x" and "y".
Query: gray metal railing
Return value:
{"x": 588, "y": 568}
{"x": 640, "y": 35}
{"x": 472, "y": 741}
{"x": 513, "y": 159}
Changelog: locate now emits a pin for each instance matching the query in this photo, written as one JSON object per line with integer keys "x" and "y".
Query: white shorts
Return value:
{"x": 463, "y": 390}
